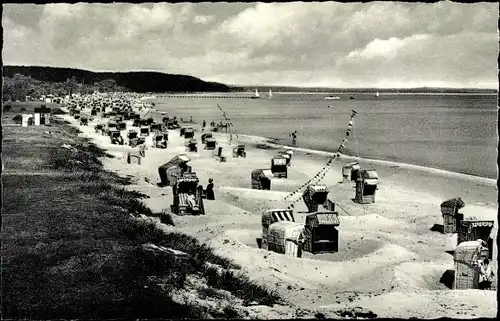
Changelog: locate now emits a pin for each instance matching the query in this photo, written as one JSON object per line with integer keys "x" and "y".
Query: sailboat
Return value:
{"x": 256, "y": 94}
{"x": 377, "y": 94}
{"x": 270, "y": 93}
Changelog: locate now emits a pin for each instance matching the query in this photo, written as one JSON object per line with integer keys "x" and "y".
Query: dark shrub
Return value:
{"x": 58, "y": 111}
{"x": 18, "y": 119}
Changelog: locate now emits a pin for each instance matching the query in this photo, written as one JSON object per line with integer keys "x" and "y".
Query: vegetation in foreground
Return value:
{"x": 72, "y": 246}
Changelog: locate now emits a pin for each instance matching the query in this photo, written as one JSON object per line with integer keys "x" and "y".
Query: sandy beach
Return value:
{"x": 389, "y": 261}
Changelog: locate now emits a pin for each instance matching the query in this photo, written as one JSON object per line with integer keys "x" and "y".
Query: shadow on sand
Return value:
{"x": 263, "y": 146}
{"x": 447, "y": 278}
{"x": 437, "y": 228}
{"x": 259, "y": 242}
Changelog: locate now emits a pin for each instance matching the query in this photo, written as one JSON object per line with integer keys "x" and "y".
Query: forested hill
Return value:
{"x": 137, "y": 81}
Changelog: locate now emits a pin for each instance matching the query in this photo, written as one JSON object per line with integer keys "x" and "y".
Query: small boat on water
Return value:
{"x": 270, "y": 94}
{"x": 377, "y": 94}
{"x": 332, "y": 97}
{"x": 256, "y": 94}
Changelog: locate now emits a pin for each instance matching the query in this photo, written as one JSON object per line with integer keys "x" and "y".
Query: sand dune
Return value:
{"x": 389, "y": 261}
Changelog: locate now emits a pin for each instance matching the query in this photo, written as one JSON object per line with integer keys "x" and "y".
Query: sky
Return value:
{"x": 322, "y": 44}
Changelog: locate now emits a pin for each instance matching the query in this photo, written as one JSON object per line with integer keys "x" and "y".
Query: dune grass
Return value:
{"x": 72, "y": 243}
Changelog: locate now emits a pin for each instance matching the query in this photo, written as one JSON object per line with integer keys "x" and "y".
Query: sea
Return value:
{"x": 453, "y": 132}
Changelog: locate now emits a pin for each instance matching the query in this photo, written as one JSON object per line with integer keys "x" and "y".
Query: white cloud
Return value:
{"x": 389, "y": 48}
{"x": 204, "y": 20}
{"x": 313, "y": 43}
{"x": 264, "y": 22}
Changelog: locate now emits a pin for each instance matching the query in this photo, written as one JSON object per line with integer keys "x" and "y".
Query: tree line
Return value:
{"x": 137, "y": 81}
{"x": 19, "y": 86}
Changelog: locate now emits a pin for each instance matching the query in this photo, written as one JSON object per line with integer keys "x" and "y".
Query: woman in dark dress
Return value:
{"x": 210, "y": 190}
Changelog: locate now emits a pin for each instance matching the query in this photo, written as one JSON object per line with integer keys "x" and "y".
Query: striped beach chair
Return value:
{"x": 272, "y": 216}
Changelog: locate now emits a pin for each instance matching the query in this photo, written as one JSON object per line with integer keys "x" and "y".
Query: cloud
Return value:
{"x": 202, "y": 19}
{"x": 328, "y": 43}
{"x": 143, "y": 19}
{"x": 387, "y": 49}
{"x": 426, "y": 59}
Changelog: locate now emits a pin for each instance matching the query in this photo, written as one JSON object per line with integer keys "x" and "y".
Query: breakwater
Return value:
{"x": 212, "y": 97}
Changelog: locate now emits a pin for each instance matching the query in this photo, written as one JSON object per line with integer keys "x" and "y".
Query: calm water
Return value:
{"x": 451, "y": 132}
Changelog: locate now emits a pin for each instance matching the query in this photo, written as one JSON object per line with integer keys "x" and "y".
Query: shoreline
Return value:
{"x": 271, "y": 142}
{"x": 438, "y": 165}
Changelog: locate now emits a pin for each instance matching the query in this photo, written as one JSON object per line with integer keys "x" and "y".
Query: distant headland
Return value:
{"x": 136, "y": 81}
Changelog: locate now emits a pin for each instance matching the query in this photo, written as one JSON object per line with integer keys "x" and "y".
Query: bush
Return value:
{"x": 18, "y": 119}
{"x": 165, "y": 217}
{"x": 58, "y": 111}
{"x": 23, "y": 109}
{"x": 230, "y": 312}
{"x": 7, "y": 108}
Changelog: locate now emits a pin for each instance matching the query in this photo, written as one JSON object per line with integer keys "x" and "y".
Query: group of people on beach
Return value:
{"x": 213, "y": 124}
{"x": 190, "y": 119}
{"x": 208, "y": 193}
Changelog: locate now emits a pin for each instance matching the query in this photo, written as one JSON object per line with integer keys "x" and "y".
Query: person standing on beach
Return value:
{"x": 486, "y": 275}
{"x": 294, "y": 137}
{"x": 204, "y": 124}
{"x": 210, "y": 189}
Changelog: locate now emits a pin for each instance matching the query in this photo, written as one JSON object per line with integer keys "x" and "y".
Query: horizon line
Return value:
{"x": 264, "y": 85}
{"x": 379, "y": 88}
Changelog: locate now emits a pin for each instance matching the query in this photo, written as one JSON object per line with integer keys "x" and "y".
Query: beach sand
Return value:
{"x": 389, "y": 261}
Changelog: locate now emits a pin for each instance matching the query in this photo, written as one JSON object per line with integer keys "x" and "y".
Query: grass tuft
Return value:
{"x": 241, "y": 286}
{"x": 165, "y": 217}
